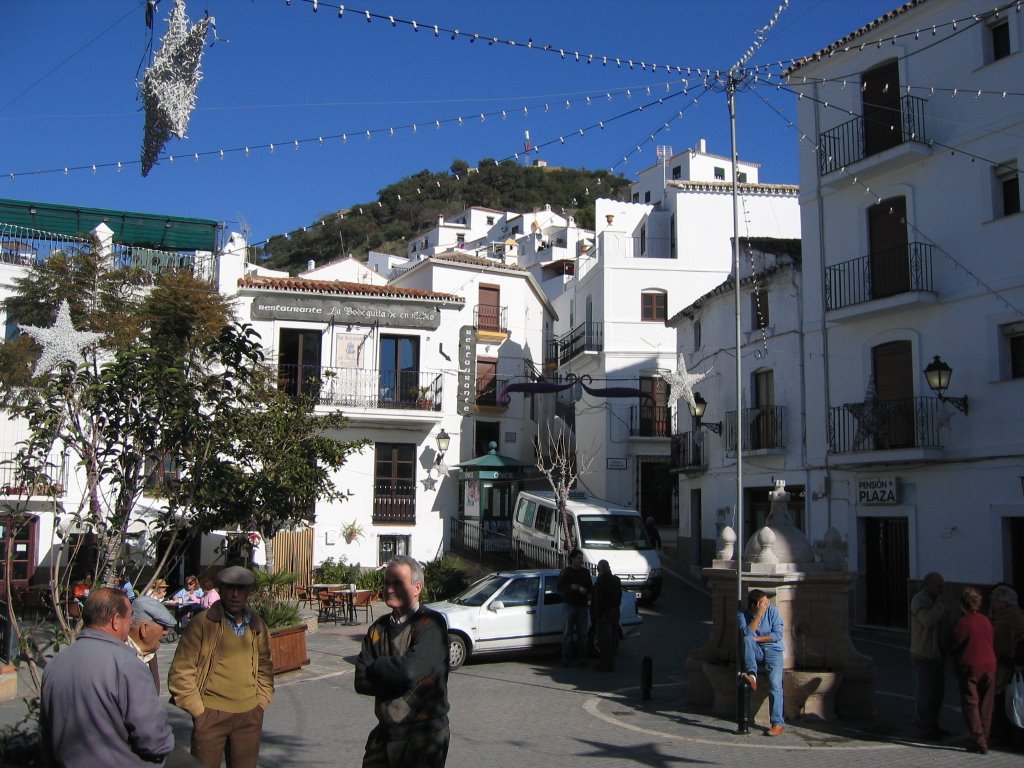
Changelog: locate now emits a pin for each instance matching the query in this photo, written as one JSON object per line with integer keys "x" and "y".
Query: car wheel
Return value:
{"x": 458, "y": 651}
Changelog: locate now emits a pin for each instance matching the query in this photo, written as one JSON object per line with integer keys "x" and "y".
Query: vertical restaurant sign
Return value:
{"x": 466, "y": 396}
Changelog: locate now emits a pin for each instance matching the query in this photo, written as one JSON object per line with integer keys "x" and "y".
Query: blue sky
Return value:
{"x": 282, "y": 73}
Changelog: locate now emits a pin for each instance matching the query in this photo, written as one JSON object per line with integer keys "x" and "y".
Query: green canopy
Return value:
{"x": 172, "y": 233}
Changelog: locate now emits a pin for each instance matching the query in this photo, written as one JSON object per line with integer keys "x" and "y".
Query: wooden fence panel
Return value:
{"x": 293, "y": 551}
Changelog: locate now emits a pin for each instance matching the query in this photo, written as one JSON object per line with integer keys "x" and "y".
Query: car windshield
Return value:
{"x": 613, "y": 532}
{"x": 479, "y": 592}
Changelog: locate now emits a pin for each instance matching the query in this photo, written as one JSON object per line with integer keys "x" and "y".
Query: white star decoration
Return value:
{"x": 61, "y": 343}
{"x": 681, "y": 383}
{"x": 872, "y": 416}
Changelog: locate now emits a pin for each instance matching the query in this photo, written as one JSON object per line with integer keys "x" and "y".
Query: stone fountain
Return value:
{"x": 825, "y": 676}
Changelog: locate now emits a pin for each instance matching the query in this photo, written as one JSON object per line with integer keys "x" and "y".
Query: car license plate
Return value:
{"x": 637, "y": 594}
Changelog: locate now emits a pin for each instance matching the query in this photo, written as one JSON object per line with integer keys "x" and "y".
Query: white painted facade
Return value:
{"x": 956, "y": 290}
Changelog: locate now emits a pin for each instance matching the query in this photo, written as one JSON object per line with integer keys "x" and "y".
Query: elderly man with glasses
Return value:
{"x": 223, "y": 676}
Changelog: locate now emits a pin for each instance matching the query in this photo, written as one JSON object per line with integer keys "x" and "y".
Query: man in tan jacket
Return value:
{"x": 222, "y": 675}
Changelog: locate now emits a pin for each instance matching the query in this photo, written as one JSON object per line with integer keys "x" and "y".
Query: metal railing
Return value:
{"x": 363, "y": 388}
{"x": 490, "y": 318}
{"x": 488, "y": 393}
{"x": 475, "y": 540}
{"x": 889, "y": 272}
{"x": 687, "y": 451}
{"x": 551, "y": 352}
{"x": 845, "y": 144}
{"x": 526, "y": 554}
{"x": 885, "y": 425}
{"x": 585, "y": 337}
{"x": 763, "y": 428}
{"x": 395, "y": 504}
{"x": 650, "y": 421}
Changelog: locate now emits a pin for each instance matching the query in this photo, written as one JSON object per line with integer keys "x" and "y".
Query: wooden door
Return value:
{"x": 489, "y": 308}
{"x": 880, "y": 95}
{"x": 890, "y": 259}
{"x": 894, "y": 387}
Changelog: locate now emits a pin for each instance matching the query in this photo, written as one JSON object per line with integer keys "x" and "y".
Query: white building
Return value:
{"x": 649, "y": 261}
{"x": 770, "y": 426}
{"x": 912, "y": 249}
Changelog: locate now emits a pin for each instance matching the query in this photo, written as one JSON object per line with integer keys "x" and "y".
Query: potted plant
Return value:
{"x": 352, "y": 531}
{"x": 283, "y": 619}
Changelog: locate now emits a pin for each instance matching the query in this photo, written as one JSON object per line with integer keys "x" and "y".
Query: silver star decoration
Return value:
{"x": 61, "y": 343}
{"x": 681, "y": 383}
{"x": 872, "y": 415}
{"x": 429, "y": 483}
{"x": 169, "y": 85}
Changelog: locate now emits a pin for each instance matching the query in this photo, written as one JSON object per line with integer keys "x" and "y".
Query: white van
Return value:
{"x": 602, "y": 531}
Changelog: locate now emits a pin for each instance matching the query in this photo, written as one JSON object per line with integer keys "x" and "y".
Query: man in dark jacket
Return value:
{"x": 575, "y": 585}
{"x": 99, "y": 706}
{"x": 403, "y": 664}
{"x": 607, "y": 602}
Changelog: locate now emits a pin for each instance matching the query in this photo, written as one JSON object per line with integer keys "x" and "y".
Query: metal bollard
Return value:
{"x": 742, "y": 705}
{"x": 646, "y": 677}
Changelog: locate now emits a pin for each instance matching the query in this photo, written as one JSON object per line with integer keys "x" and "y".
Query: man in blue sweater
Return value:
{"x": 99, "y": 706}
{"x": 403, "y": 664}
{"x": 761, "y": 627}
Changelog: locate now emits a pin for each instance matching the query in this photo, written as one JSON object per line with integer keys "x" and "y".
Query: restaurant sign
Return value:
{"x": 323, "y": 309}
{"x": 465, "y": 397}
{"x": 876, "y": 490}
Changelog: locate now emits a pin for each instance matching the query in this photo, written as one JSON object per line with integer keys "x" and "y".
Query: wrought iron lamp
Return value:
{"x": 938, "y": 374}
{"x": 443, "y": 441}
{"x": 697, "y": 408}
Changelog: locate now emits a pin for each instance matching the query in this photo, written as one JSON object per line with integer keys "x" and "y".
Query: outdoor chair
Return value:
{"x": 363, "y": 601}
{"x": 330, "y": 608}
{"x": 305, "y": 596}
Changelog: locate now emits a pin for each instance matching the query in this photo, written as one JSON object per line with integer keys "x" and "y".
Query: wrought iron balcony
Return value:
{"x": 487, "y": 393}
{"x": 39, "y": 481}
{"x": 490, "y": 318}
{"x": 885, "y": 425}
{"x": 764, "y": 428}
{"x": 585, "y": 337}
{"x": 903, "y": 269}
{"x": 394, "y": 504}
{"x": 853, "y": 141}
{"x": 687, "y": 452}
{"x": 649, "y": 421}
{"x": 551, "y": 352}
{"x": 363, "y": 388}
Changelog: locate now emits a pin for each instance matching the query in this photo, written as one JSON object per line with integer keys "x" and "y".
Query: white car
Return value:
{"x": 514, "y": 610}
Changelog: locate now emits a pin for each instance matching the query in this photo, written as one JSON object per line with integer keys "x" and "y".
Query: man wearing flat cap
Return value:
{"x": 222, "y": 675}
{"x": 150, "y": 623}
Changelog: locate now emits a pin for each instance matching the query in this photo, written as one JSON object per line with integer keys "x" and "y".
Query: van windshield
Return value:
{"x": 613, "y": 532}
{"x": 479, "y": 592}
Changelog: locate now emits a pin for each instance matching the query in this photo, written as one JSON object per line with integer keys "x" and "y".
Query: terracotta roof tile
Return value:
{"x": 465, "y": 258}
{"x": 303, "y": 285}
{"x": 843, "y": 42}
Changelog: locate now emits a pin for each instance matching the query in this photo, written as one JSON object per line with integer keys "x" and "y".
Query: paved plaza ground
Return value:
{"x": 520, "y": 711}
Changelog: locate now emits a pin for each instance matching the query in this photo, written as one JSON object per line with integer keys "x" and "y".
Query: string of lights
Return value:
{"x": 854, "y": 179}
{"x": 368, "y": 133}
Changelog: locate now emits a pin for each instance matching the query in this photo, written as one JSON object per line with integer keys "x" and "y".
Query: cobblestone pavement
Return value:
{"x": 520, "y": 711}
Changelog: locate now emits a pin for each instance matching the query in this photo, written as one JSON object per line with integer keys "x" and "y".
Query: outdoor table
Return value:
{"x": 342, "y": 591}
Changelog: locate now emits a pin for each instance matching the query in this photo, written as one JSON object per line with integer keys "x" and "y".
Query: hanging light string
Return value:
{"x": 665, "y": 126}
{"x": 854, "y": 179}
{"x": 369, "y": 133}
{"x": 955, "y": 25}
{"x": 760, "y": 35}
{"x": 453, "y": 33}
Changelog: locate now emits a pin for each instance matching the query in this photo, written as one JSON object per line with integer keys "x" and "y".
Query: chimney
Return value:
{"x": 702, "y": 146}
{"x": 440, "y": 221}
{"x": 310, "y": 265}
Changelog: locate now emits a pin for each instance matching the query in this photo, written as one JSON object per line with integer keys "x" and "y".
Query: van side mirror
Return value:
{"x": 495, "y": 606}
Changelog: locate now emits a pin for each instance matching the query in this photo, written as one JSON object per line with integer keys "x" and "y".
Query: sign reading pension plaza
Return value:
{"x": 388, "y": 314}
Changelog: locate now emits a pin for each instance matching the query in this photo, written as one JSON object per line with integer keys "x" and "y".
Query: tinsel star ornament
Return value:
{"x": 681, "y": 383}
{"x": 61, "y": 343}
{"x": 872, "y": 416}
{"x": 169, "y": 85}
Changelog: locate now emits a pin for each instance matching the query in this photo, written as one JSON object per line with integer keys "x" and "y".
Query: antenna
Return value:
{"x": 664, "y": 154}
